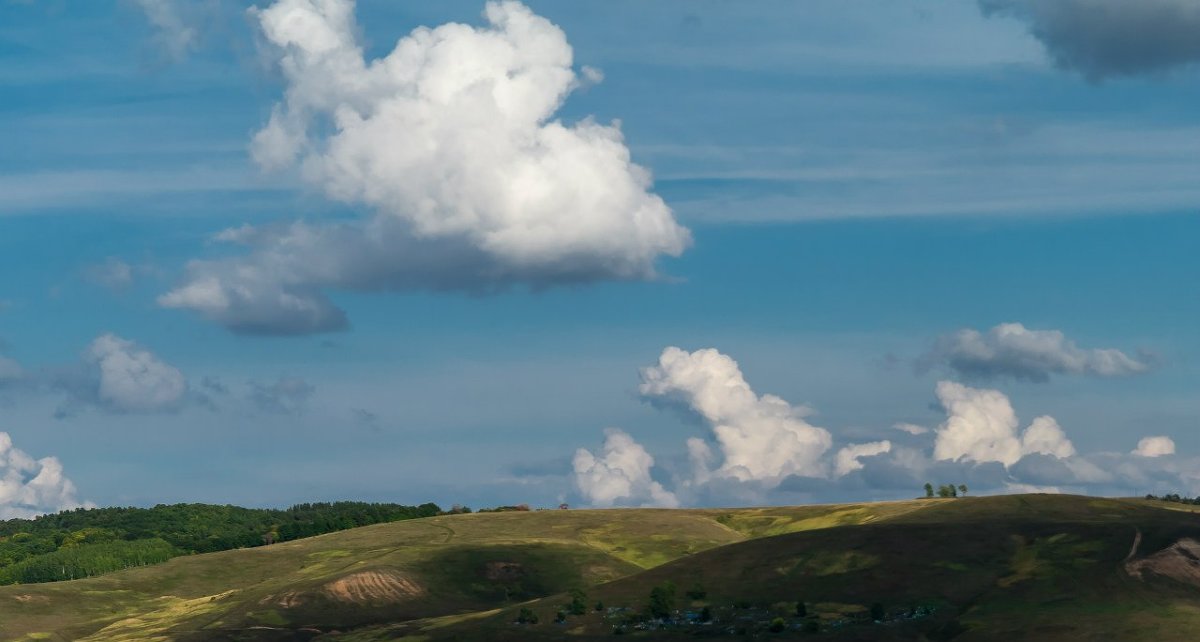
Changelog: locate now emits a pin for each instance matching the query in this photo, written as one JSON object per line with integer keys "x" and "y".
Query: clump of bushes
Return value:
{"x": 662, "y": 600}
{"x": 578, "y": 604}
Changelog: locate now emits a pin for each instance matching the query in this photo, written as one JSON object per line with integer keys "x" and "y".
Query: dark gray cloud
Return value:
{"x": 280, "y": 288}
{"x": 1104, "y": 38}
{"x": 1042, "y": 470}
{"x": 1014, "y": 351}
{"x": 553, "y": 467}
{"x": 284, "y": 396}
{"x": 214, "y": 385}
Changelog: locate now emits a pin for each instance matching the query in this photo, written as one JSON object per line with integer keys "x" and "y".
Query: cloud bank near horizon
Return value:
{"x": 761, "y": 448}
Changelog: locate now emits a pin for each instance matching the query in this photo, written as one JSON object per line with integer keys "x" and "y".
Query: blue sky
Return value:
{"x": 861, "y": 183}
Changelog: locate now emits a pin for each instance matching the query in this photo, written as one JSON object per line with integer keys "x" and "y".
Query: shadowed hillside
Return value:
{"x": 996, "y": 568}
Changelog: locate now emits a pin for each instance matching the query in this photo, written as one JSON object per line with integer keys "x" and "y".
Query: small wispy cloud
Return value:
{"x": 172, "y": 32}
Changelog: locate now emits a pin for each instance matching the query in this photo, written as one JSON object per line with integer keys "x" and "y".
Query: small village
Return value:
{"x": 738, "y": 618}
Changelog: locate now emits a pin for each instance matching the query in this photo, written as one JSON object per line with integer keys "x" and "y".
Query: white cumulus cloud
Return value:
{"x": 451, "y": 141}
{"x": 620, "y": 476}
{"x": 120, "y": 376}
{"x": 761, "y": 438}
{"x": 132, "y": 378}
{"x": 981, "y": 426}
{"x": 31, "y": 487}
{"x": 1155, "y": 446}
{"x": 846, "y": 461}
{"x": 1012, "y": 350}
{"x": 1045, "y": 437}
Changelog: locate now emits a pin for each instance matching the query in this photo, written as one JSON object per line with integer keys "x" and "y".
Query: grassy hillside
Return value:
{"x": 998, "y": 568}
{"x": 389, "y": 572}
{"x": 1015, "y": 567}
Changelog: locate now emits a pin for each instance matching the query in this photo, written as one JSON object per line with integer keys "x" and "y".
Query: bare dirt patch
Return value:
{"x": 373, "y": 587}
{"x": 1179, "y": 561}
{"x": 26, "y": 599}
{"x": 364, "y": 587}
{"x": 289, "y": 600}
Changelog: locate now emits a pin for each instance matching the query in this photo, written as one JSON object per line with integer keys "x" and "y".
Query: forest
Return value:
{"x": 86, "y": 542}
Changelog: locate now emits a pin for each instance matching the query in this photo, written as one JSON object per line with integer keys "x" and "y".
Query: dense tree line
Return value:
{"x": 87, "y": 560}
{"x": 1175, "y": 498}
{"x": 946, "y": 490}
{"x": 86, "y": 542}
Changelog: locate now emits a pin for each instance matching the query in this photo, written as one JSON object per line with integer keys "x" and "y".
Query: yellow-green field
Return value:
{"x": 1014, "y": 567}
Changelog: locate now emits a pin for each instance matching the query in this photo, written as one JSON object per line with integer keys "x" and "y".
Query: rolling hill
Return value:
{"x": 1012, "y": 567}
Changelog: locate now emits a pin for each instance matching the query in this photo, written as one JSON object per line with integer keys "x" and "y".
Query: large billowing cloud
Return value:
{"x": 30, "y": 487}
{"x": 1012, "y": 350}
{"x": 761, "y": 438}
{"x": 981, "y": 426}
{"x": 1102, "y": 38}
{"x": 450, "y": 140}
{"x": 120, "y": 376}
{"x": 620, "y": 476}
